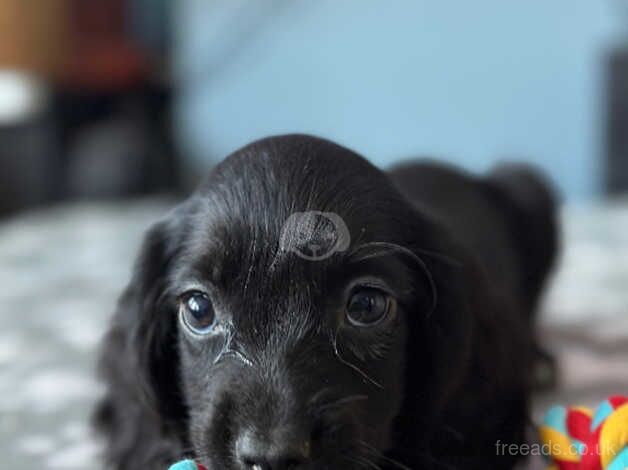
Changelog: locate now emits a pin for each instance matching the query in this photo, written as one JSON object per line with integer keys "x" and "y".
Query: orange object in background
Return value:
{"x": 82, "y": 45}
{"x": 33, "y": 35}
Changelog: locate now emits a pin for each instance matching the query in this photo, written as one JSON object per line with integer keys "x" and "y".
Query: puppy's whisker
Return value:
{"x": 393, "y": 247}
{"x": 343, "y": 401}
{"x": 363, "y": 461}
{"x": 275, "y": 260}
{"x": 441, "y": 256}
{"x": 369, "y": 462}
{"x": 379, "y": 455}
{"x": 352, "y": 366}
{"x": 252, "y": 264}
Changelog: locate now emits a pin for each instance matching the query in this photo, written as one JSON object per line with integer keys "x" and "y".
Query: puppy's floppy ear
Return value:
{"x": 465, "y": 347}
{"x": 152, "y": 331}
{"x": 444, "y": 321}
{"x": 439, "y": 334}
{"x": 140, "y": 361}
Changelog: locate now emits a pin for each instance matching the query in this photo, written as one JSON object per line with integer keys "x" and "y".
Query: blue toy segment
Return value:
{"x": 602, "y": 412}
{"x": 620, "y": 462}
{"x": 556, "y": 418}
{"x": 184, "y": 465}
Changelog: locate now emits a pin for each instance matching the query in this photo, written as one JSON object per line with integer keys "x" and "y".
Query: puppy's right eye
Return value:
{"x": 197, "y": 313}
{"x": 368, "y": 306}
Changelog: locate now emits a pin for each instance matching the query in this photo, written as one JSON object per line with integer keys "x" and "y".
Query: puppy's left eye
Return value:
{"x": 367, "y": 306}
{"x": 197, "y": 312}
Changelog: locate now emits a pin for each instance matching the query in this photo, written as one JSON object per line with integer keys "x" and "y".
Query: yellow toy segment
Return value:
{"x": 560, "y": 446}
{"x": 614, "y": 435}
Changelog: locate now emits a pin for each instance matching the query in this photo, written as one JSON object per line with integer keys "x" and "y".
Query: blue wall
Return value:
{"x": 466, "y": 81}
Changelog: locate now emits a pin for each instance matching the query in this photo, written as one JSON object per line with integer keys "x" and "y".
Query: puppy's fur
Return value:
{"x": 436, "y": 385}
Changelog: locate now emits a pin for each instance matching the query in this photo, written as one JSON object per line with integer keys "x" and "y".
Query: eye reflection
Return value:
{"x": 197, "y": 312}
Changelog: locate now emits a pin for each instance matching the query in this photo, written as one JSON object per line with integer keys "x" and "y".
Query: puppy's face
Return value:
{"x": 298, "y": 366}
{"x": 290, "y": 360}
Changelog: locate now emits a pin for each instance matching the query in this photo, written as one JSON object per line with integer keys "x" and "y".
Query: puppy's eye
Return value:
{"x": 368, "y": 306}
{"x": 197, "y": 312}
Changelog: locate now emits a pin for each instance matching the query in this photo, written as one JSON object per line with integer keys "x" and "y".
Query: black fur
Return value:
{"x": 436, "y": 385}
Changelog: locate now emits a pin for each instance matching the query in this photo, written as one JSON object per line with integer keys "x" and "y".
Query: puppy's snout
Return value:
{"x": 279, "y": 449}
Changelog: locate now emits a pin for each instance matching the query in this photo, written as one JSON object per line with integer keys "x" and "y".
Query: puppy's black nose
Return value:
{"x": 279, "y": 450}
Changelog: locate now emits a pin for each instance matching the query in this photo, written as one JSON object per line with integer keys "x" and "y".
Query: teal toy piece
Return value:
{"x": 186, "y": 465}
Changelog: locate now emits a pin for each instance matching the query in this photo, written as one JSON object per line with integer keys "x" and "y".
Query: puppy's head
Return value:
{"x": 296, "y": 317}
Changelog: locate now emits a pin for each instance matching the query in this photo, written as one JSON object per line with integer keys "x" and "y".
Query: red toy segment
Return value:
{"x": 617, "y": 401}
{"x": 578, "y": 424}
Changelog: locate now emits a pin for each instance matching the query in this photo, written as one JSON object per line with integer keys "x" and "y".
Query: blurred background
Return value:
{"x": 111, "y": 109}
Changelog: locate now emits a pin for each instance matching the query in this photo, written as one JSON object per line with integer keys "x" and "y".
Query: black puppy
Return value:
{"x": 304, "y": 310}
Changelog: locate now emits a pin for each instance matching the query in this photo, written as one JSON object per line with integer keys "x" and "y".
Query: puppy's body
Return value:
{"x": 284, "y": 378}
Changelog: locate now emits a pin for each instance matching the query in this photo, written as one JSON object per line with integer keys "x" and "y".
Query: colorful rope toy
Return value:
{"x": 187, "y": 465}
{"x": 577, "y": 438}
